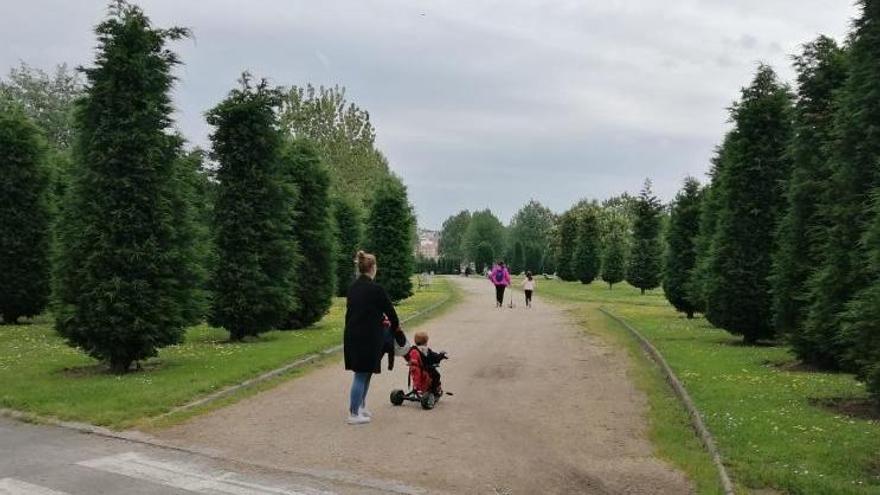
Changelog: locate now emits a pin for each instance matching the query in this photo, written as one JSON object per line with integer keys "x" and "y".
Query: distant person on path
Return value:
{"x": 500, "y": 277}
{"x": 528, "y": 286}
{"x": 367, "y": 306}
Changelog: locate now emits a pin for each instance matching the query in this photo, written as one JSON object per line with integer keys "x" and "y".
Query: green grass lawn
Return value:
{"x": 39, "y": 374}
{"x": 759, "y": 407}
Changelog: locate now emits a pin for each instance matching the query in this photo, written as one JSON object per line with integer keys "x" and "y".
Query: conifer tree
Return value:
{"x": 614, "y": 259}
{"x": 567, "y": 243}
{"x": 485, "y": 256}
{"x": 821, "y": 72}
{"x": 644, "y": 270}
{"x": 24, "y": 217}
{"x": 124, "y": 271}
{"x": 586, "y": 262}
{"x": 517, "y": 263}
{"x": 390, "y": 237}
{"x": 849, "y": 273}
{"x": 750, "y": 201}
{"x": 681, "y": 254}
{"x": 348, "y": 220}
{"x": 313, "y": 232}
{"x": 253, "y": 279}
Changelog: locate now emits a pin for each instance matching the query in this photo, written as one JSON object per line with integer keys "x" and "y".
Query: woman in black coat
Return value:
{"x": 364, "y": 335}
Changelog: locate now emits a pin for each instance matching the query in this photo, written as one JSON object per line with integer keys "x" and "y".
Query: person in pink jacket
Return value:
{"x": 500, "y": 277}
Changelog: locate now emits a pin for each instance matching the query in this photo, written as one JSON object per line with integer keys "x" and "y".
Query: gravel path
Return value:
{"x": 539, "y": 407}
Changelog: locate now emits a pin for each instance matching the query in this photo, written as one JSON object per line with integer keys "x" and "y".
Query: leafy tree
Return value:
{"x": 313, "y": 230}
{"x": 24, "y": 217}
{"x": 644, "y": 269}
{"x": 484, "y": 227}
{"x": 389, "y": 237}
{"x": 750, "y": 201}
{"x": 587, "y": 257}
{"x": 681, "y": 254}
{"x": 452, "y": 235}
{"x": 568, "y": 229}
{"x": 532, "y": 226}
{"x": 125, "y": 274}
{"x": 348, "y": 220}
{"x": 343, "y": 134}
{"x": 48, "y": 100}
{"x": 821, "y": 72}
{"x": 253, "y": 280}
{"x": 614, "y": 259}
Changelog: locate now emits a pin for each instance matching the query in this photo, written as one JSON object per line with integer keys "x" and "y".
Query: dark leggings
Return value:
{"x": 499, "y": 293}
{"x": 528, "y": 297}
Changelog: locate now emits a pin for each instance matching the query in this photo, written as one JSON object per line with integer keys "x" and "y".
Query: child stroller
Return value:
{"x": 423, "y": 379}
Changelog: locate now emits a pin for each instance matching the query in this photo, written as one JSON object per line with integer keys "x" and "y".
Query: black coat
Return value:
{"x": 364, "y": 335}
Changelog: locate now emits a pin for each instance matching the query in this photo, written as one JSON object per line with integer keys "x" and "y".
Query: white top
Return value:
{"x": 529, "y": 284}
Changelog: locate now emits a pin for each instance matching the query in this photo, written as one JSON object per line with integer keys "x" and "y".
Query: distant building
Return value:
{"x": 429, "y": 243}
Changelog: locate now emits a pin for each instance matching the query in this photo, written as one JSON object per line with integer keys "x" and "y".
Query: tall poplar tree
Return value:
{"x": 587, "y": 261}
{"x": 125, "y": 273}
{"x": 821, "y": 72}
{"x": 253, "y": 279}
{"x": 681, "y": 251}
{"x": 24, "y": 217}
{"x": 645, "y": 259}
{"x": 750, "y": 201}
{"x": 390, "y": 237}
{"x": 313, "y": 231}
{"x": 349, "y": 230}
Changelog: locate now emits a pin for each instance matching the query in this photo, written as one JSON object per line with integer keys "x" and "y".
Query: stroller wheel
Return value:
{"x": 428, "y": 401}
{"x": 397, "y": 397}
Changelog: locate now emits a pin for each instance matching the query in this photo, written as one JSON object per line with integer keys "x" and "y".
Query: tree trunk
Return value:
{"x": 120, "y": 365}
{"x": 690, "y": 315}
{"x": 643, "y": 292}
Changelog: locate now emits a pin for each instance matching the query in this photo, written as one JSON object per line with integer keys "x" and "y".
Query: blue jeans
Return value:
{"x": 359, "y": 387}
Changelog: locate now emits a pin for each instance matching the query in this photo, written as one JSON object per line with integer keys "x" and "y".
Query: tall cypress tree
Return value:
{"x": 313, "y": 231}
{"x": 586, "y": 262}
{"x": 614, "y": 259}
{"x": 854, "y": 157}
{"x": 567, "y": 244}
{"x": 349, "y": 231}
{"x": 390, "y": 238}
{"x": 861, "y": 322}
{"x": 821, "y": 72}
{"x": 645, "y": 270}
{"x": 750, "y": 201}
{"x": 124, "y": 269}
{"x": 517, "y": 264}
{"x": 681, "y": 254}
{"x": 254, "y": 215}
{"x": 698, "y": 284}
{"x": 24, "y": 217}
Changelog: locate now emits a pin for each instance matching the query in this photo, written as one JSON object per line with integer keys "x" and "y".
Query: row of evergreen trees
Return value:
{"x": 147, "y": 244}
{"x": 785, "y": 239}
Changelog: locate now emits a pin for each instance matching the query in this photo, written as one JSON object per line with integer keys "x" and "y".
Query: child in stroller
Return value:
{"x": 424, "y": 378}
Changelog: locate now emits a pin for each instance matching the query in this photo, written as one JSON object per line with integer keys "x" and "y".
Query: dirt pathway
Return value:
{"x": 539, "y": 407}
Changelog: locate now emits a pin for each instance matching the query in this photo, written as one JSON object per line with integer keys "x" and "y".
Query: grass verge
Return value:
{"x": 764, "y": 413}
{"x": 41, "y": 375}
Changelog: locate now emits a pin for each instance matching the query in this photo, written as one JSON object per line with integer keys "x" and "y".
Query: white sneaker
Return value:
{"x": 357, "y": 420}
{"x": 365, "y": 412}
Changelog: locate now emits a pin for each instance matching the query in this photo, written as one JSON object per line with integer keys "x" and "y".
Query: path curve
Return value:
{"x": 539, "y": 407}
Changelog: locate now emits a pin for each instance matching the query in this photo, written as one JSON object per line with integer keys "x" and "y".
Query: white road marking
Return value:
{"x": 186, "y": 477}
{"x": 10, "y": 486}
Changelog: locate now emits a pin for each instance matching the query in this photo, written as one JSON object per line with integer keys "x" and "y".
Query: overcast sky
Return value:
{"x": 479, "y": 103}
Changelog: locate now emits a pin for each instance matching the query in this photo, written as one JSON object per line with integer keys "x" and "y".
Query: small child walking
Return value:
{"x": 528, "y": 286}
